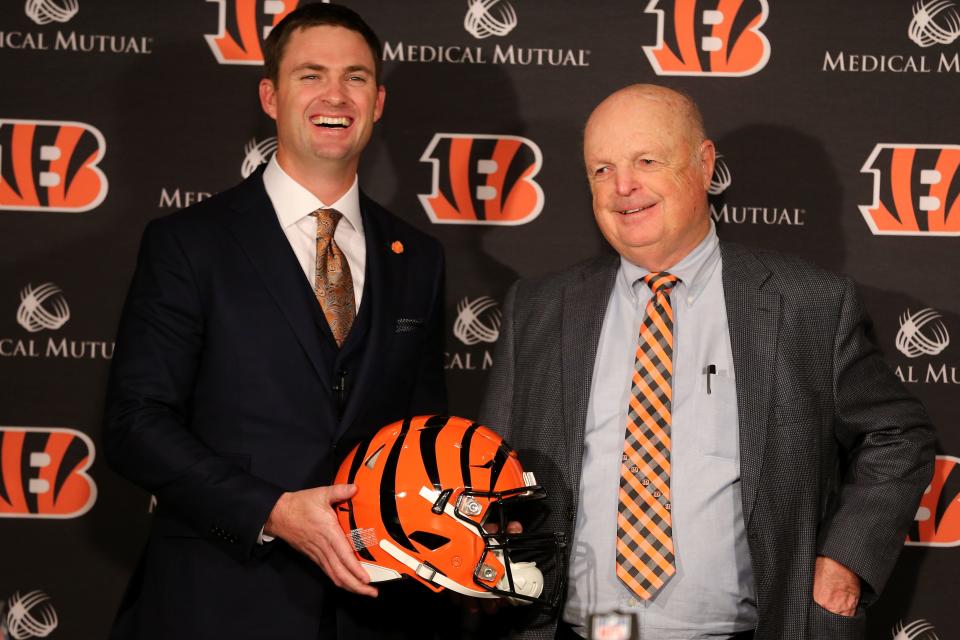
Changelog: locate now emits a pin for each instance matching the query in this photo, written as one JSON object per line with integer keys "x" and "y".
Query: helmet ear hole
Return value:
{"x": 371, "y": 461}
{"x": 431, "y": 541}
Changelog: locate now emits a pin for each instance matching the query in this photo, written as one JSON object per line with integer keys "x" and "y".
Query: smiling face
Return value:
{"x": 325, "y": 101}
{"x": 649, "y": 168}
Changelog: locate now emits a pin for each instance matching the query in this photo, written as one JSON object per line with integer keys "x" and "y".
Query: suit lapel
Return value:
{"x": 753, "y": 316}
{"x": 257, "y": 230}
{"x": 584, "y": 306}
{"x": 383, "y": 283}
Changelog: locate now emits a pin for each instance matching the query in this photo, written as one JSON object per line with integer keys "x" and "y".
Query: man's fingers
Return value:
{"x": 344, "y": 552}
{"x": 341, "y": 573}
{"x": 340, "y": 492}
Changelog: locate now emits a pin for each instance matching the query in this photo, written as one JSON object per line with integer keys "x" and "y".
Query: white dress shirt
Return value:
{"x": 294, "y": 204}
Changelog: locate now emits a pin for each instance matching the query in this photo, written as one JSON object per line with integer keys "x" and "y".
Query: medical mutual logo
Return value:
{"x": 477, "y": 325}
{"x": 477, "y": 321}
{"x": 933, "y": 26}
{"x": 937, "y": 523}
{"x": 52, "y": 13}
{"x": 725, "y": 208}
{"x": 915, "y": 190}
{"x": 721, "y": 178}
{"x": 257, "y": 152}
{"x": 922, "y": 333}
{"x": 27, "y": 615}
{"x": 51, "y": 166}
{"x": 47, "y": 11}
{"x": 45, "y": 473}
{"x": 487, "y": 18}
{"x": 708, "y": 37}
{"x": 483, "y": 179}
{"x": 916, "y": 630}
{"x": 934, "y": 22}
{"x": 44, "y": 309}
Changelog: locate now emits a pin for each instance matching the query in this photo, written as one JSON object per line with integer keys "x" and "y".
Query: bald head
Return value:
{"x": 681, "y": 114}
{"x": 649, "y": 166}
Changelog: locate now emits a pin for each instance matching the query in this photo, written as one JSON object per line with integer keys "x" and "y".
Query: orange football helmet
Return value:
{"x": 433, "y": 499}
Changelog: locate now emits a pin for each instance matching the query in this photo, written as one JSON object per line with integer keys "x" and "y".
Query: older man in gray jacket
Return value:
{"x": 724, "y": 446}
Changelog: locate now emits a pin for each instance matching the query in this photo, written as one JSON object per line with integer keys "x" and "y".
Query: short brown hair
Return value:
{"x": 316, "y": 15}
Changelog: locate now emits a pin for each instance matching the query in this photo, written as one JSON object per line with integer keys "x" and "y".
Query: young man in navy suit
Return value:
{"x": 267, "y": 330}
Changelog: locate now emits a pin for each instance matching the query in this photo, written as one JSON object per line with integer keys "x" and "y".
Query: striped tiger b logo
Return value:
{"x": 43, "y": 473}
{"x": 243, "y": 26}
{"x": 709, "y": 37}
{"x": 916, "y": 190}
{"x": 51, "y": 166}
{"x": 483, "y": 179}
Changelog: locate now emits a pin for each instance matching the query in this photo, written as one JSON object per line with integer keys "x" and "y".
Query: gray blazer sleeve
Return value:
{"x": 889, "y": 445}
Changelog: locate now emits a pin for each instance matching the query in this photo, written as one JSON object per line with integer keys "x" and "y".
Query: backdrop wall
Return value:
{"x": 836, "y": 122}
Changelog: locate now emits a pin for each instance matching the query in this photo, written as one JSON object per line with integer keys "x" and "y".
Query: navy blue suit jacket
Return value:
{"x": 221, "y": 398}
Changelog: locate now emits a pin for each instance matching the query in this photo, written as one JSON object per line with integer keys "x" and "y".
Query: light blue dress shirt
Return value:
{"x": 712, "y": 593}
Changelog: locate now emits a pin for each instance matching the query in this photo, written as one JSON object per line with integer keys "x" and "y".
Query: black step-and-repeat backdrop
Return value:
{"x": 837, "y": 128}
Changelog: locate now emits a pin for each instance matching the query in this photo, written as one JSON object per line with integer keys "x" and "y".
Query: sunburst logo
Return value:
{"x": 922, "y": 333}
{"x": 29, "y": 616}
{"x": 487, "y": 18}
{"x": 916, "y": 630}
{"x": 478, "y": 320}
{"x": 934, "y": 22}
{"x": 47, "y": 11}
{"x": 256, "y": 154}
{"x": 42, "y": 308}
{"x": 721, "y": 178}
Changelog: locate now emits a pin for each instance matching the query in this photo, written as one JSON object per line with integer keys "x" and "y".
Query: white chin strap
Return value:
{"x": 527, "y": 578}
{"x": 429, "y": 574}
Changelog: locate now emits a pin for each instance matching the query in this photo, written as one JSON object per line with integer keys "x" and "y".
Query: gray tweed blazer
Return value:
{"x": 834, "y": 452}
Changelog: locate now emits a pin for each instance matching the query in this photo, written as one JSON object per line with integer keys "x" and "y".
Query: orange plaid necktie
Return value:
{"x": 334, "y": 283}
{"x": 645, "y": 558}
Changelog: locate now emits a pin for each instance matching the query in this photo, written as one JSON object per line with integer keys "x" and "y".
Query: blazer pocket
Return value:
{"x": 408, "y": 325}
{"x": 826, "y": 625}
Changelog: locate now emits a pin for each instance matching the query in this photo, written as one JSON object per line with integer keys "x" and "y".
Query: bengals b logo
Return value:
{"x": 243, "y": 25}
{"x": 483, "y": 179}
{"x": 43, "y": 473}
{"x": 50, "y": 166}
{"x": 916, "y": 190}
{"x": 938, "y": 519}
{"x": 709, "y": 37}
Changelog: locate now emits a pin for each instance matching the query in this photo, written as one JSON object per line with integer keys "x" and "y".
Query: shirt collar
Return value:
{"x": 694, "y": 270}
{"x": 292, "y": 201}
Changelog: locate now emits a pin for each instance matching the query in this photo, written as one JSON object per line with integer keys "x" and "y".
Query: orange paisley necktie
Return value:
{"x": 334, "y": 284}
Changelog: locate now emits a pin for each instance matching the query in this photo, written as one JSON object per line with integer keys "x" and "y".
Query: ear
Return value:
{"x": 268, "y": 97}
{"x": 707, "y": 155}
{"x": 378, "y": 104}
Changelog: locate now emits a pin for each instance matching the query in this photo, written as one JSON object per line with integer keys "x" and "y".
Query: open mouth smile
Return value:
{"x": 330, "y": 122}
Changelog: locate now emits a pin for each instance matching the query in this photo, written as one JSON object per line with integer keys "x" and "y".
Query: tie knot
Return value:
{"x": 662, "y": 281}
{"x": 327, "y": 220}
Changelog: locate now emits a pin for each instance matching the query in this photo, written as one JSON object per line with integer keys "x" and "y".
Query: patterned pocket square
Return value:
{"x": 406, "y": 325}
